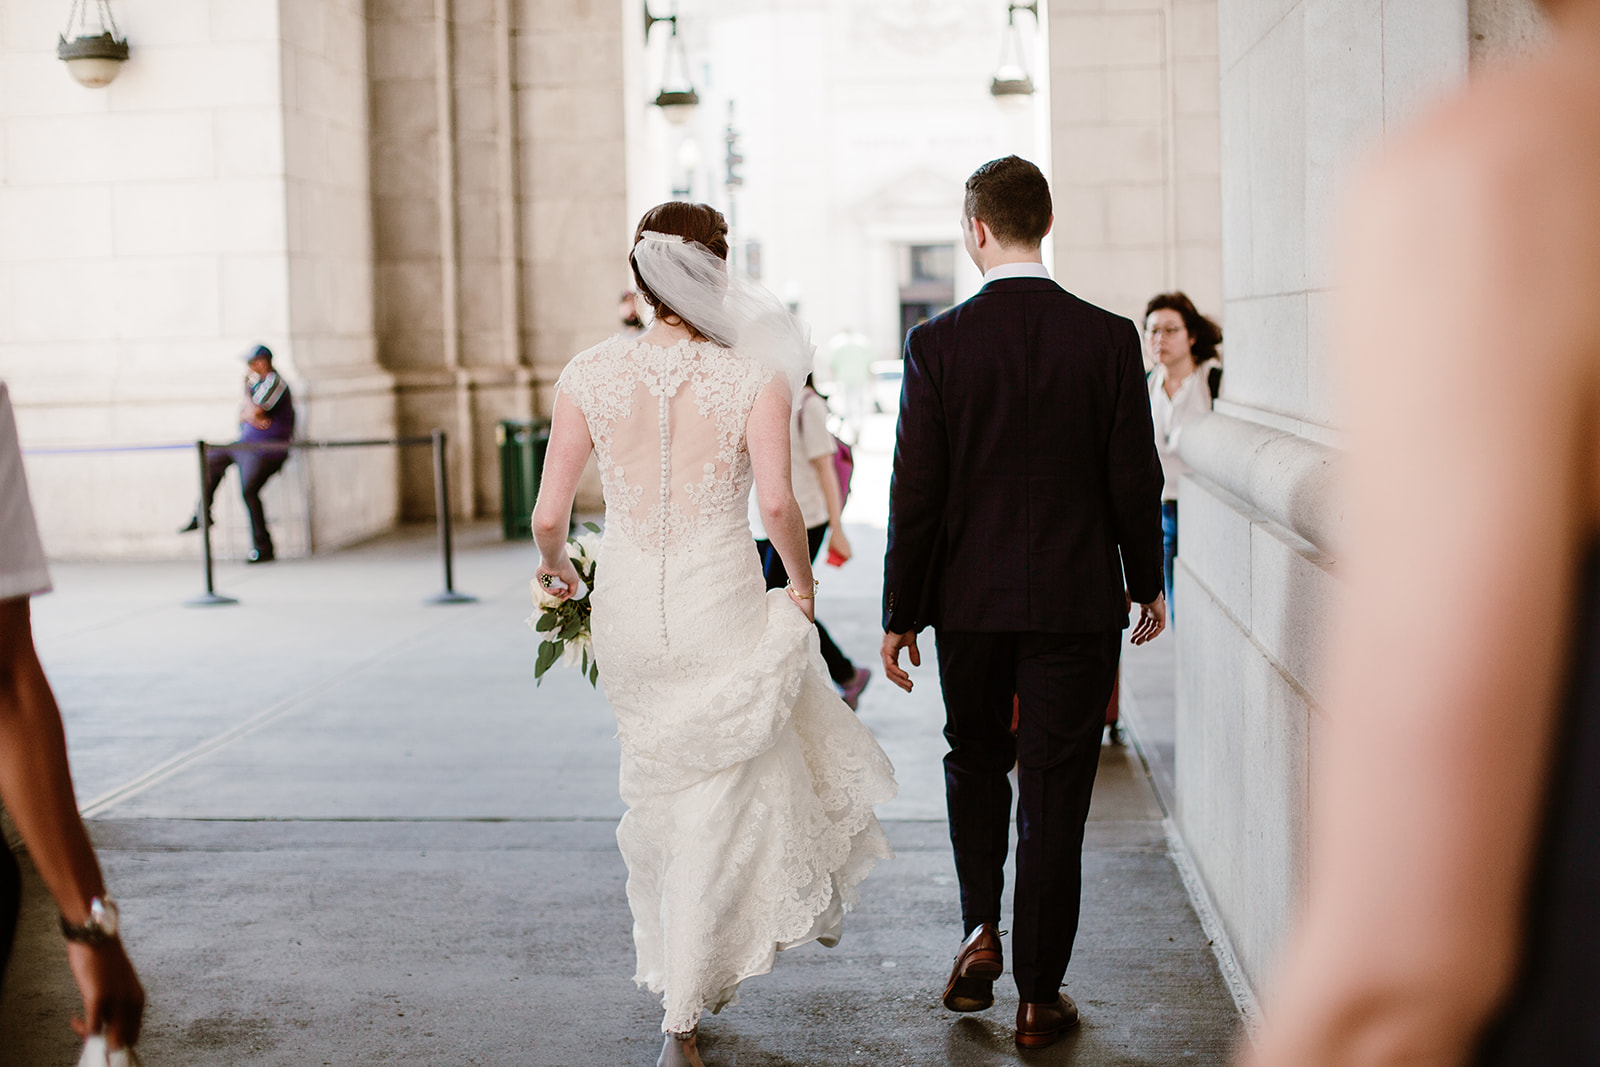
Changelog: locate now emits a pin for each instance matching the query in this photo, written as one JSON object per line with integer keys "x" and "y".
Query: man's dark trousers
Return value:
{"x": 255, "y": 467}
{"x": 1062, "y": 682}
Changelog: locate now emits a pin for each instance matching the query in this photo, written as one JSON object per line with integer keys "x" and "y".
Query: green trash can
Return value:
{"x": 522, "y": 445}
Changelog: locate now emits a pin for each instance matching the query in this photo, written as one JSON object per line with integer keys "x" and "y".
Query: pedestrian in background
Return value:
{"x": 266, "y": 421}
{"x": 628, "y": 313}
{"x": 36, "y": 783}
{"x": 850, "y": 364}
{"x": 1186, "y": 379}
{"x": 816, "y": 487}
{"x": 1452, "y": 908}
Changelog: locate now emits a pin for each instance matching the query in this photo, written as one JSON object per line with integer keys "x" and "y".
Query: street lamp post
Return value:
{"x": 677, "y": 100}
{"x": 1011, "y": 79}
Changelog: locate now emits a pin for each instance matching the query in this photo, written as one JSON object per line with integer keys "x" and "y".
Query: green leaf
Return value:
{"x": 549, "y": 652}
{"x": 591, "y": 527}
{"x": 594, "y": 674}
{"x": 571, "y": 628}
{"x": 585, "y": 667}
{"x": 547, "y": 621}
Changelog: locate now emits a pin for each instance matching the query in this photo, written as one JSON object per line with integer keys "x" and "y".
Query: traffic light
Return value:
{"x": 733, "y": 160}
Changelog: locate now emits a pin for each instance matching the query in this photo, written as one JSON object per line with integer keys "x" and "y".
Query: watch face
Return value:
{"x": 103, "y": 915}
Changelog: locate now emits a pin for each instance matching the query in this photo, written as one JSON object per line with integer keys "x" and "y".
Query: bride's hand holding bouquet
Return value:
{"x": 561, "y": 594}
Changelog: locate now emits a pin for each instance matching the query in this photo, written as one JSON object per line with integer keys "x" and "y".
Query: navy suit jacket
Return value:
{"x": 1026, "y": 482}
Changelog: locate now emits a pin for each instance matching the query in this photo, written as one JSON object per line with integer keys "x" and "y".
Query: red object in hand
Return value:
{"x": 834, "y": 559}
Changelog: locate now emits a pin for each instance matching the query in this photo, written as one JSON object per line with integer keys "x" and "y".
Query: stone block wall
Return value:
{"x": 1134, "y": 145}
{"x": 1308, "y": 89}
{"x": 143, "y": 245}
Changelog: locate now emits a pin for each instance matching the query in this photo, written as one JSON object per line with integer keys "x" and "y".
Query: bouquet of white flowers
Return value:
{"x": 566, "y": 623}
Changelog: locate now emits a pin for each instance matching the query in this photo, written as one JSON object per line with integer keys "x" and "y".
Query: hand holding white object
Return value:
{"x": 97, "y": 1054}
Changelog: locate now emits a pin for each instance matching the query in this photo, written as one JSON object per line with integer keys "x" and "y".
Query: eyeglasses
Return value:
{"x": 1165, "y": 331}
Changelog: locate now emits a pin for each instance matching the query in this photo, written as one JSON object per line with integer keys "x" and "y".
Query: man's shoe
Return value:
{"x": 978, "y": 964}
{"x": 1039, "y": 1025}
{"x": 851, "y": 690}
{"x": 260, "y": 557}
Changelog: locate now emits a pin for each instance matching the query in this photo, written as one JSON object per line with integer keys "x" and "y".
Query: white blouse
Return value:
{"x": 1172, "y": 413}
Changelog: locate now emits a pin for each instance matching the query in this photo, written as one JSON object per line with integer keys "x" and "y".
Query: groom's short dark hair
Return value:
{"x": 1012, "y": 198}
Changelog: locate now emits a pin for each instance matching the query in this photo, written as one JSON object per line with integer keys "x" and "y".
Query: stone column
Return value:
{"x": 499, "y": 198}
{"x": 344, "y": 392}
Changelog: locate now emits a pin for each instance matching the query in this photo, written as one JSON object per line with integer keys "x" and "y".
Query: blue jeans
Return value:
{"x": 1169, "y": 544}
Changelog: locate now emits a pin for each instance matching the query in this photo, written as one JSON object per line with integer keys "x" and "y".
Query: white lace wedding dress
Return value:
{"x": 749, "y": 783}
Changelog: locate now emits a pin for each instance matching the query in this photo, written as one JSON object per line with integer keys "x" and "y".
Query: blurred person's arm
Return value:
{"x": 569, "y": 448}
{"x": 1469, "y": 365}
{"x": 828, "y": 475}
{"x": 820, "y": 449}
{"x": 36, "y": 785}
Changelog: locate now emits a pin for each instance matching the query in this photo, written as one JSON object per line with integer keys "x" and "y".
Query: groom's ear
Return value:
{"x": 981, "y": 234}
{"x": 1047, "y": 228}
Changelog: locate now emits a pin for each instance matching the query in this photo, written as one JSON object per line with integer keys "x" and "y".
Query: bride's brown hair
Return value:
{"x": 694, "y": 222}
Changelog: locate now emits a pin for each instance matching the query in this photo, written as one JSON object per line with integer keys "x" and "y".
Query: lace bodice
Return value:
{"x": 668, "y": 425}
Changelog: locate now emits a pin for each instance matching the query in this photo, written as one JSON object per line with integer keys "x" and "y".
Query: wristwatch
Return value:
{"x": 100, "y": 927}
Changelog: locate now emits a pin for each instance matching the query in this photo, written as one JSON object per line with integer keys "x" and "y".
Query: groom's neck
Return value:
{"x": 1003, "y": 254}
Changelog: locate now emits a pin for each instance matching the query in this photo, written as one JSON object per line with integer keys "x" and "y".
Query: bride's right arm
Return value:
{"x": 767, "y": 433}
{"x": 568, "y": 451}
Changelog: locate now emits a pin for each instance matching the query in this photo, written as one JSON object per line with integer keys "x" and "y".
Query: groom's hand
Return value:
{"x": 1152, "y": 620}
{"x": 892, "y": 644}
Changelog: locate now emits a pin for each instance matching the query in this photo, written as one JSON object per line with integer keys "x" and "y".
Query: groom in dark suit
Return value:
{"x": 1025, "y": 512}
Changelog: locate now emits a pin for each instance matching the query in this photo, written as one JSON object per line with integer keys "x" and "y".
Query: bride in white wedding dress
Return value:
{"x": 749, "y": 783}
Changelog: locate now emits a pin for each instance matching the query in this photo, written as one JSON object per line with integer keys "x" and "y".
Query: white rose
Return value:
{"x": 588, "y": 546}
{"x": 572, "y": 653}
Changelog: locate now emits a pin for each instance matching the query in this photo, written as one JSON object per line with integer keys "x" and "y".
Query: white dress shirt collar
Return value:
{"x": 1028, "y": 269}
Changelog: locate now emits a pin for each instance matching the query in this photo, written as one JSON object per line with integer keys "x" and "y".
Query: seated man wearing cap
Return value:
{"x": 267, "y": 419}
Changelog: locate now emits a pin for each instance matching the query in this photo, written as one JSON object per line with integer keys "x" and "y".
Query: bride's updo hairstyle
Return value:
{"x": 700, "y": 223}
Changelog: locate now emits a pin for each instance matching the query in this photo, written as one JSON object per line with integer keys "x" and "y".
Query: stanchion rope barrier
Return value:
{"x": 441, "y": 492}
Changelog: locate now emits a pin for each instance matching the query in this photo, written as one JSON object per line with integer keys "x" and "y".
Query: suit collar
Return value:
{"x": 1020, "y": 285}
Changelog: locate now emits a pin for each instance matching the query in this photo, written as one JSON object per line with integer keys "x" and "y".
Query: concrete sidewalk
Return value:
{"x": 369, "y": 839}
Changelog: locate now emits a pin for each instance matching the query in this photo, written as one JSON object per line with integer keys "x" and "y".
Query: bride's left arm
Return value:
{"x": 568, "y": 451}
{"x": 767, "y": 435}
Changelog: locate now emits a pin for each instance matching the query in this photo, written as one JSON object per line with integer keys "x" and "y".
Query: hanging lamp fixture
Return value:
{"x": 677, "y": 98}
{"x": 1011, "y": 78}
{"x": 93, "y": 58}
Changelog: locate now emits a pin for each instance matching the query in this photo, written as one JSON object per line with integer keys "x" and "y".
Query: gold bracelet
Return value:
{"x": 789, "y": 585}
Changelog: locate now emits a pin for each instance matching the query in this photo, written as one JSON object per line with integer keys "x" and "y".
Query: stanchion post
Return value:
{"x": 210, "y": 597}
{"x": 441, "y": 503}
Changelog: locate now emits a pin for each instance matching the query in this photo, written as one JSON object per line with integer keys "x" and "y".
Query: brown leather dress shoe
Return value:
{"x": 978, "y": 964}
{"x": 1039, "y": 1025}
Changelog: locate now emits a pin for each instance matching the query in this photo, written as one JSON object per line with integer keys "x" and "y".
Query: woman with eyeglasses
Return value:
{"x": 1186, "y": 379}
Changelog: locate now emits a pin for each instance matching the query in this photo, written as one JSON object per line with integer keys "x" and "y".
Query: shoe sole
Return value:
{"x": 974, "y": 989}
